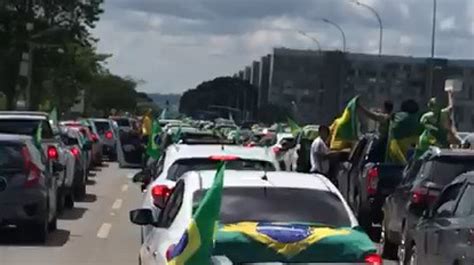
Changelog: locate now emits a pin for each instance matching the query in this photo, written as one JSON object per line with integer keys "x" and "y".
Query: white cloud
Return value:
{"x": 176, "y": 44}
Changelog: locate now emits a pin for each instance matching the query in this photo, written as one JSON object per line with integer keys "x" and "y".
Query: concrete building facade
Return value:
{"x": 315, "y": 86}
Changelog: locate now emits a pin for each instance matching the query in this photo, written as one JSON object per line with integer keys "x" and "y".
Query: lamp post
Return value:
{"x": 379, "y": 19}
{"x": 433, "y": 42}
{"x": 340, "y": 29}
{"x": 311, "y": 38}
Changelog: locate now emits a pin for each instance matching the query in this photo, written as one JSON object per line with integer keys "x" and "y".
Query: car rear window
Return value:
{"x": 10, "y": 156}
{"x": 123, "y": 122}
{"x": 25, "y": 127}
{"x": 102, "y": 126}
{"x": 444, "y": 170}
{"x": 195, "y": 164}
{"x": 278, "y": 205}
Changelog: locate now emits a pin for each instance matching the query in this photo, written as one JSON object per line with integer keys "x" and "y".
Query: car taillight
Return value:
{"x": 276, "y": 149}
{"x": 160, "y": 194}
{"x": 33, "y": 174}
{"x": 109, "y": 135}
{"x": 52, "y": 153}
{"x": 373, "y": 259}
{"x": 169, "y": 252}
{"x": 223, "y": 158}
{"x": 372, "y": 180}
{"x": 75, "y": 151}
{"x": 94, "y": 137}
{"x": 423, "y": 195}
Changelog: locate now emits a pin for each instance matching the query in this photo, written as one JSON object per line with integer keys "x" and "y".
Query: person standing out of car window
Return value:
{"x": 320, "y": 152}
{"x": 382, "y": 118}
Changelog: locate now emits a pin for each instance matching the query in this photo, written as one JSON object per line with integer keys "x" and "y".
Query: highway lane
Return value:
{"x": 95, "y": 232}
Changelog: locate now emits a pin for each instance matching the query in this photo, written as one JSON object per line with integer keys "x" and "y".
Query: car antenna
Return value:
{"x": 222, "y": 147}
{"x": 265, "y": 178}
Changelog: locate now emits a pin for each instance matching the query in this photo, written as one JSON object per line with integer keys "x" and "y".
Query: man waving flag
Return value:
{"x": 345, "y": 129}
{"x": 196, "y": 245}
{"x": 152, "y": 149}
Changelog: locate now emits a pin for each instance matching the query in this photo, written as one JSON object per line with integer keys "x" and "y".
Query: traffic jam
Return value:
{"x": 217, "y": 193}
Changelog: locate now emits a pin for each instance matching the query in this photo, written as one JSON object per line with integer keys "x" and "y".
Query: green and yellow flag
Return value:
{"x": 345, "y": 129}
{"x": 294, "y": 127}
{"x": 53, "y": 116}
{"x": 404, "y": 133}
{"x": 152, "y": 149}
{"x": 196, "y": 245}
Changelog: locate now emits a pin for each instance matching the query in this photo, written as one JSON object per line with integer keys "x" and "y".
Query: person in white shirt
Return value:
{"x": 320, "y": 152}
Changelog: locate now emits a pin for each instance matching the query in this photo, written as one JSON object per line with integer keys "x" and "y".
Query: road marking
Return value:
{"x": 104, "y": 230}
{"x": 117, "y": 204}
{"x": 125, "y": 188}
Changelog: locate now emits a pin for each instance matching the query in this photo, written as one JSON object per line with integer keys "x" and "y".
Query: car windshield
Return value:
{"x": 195, "y": 164}
{"x": 444, "y": 170}
{"x": 10, "y": 156}
{"x": 102, "y": 126}
{"x": 19, "y": 126}
{"x": 278, "y": 205}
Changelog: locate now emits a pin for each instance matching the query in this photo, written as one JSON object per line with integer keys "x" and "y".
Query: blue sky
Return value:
{"x": 174, "y": 45}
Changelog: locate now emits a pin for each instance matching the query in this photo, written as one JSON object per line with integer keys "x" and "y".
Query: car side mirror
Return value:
{"x": 142, "y": 217}
{"x": 57, "y": 167}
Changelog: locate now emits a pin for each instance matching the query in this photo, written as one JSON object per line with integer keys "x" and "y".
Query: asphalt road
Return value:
{"x": 95, "y": 232}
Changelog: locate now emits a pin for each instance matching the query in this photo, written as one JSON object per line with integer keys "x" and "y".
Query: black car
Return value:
{"x": 445, "y": 233}
{"x": 423, "y": 180}
{"x": 365, "y": 180}
{"x": 28, "y": 190}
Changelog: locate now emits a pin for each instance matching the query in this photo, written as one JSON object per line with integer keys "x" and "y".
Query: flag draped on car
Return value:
{"x": 254, "y": 242}
{"x": 345, "y": 129}
{"x": 404, "y": 133}
{"x": 152, "y": 149}
{"x": 196, "y": 245}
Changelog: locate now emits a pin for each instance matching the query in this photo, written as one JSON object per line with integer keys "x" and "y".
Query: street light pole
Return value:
{"x": 311, "y": 38}
{"x": 379, "y": 19}
{"x": 340, "y": 29}
{"x": 433, "y": 40}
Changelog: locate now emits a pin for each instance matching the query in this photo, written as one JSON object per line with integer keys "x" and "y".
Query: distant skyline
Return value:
{"x": 174, "y": 45}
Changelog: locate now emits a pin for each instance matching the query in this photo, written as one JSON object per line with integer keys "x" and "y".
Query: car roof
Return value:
{"x": 23, "y": 116}
{"x": 435, "y": 152}
{"x": 464, "y": 177}
{"x": 184, "y": 151}
{"x": 99, "y": 119}
{"x": 277, "y": 179}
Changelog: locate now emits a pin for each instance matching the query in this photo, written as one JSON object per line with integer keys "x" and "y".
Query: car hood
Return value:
{"x": 251, "y": 242}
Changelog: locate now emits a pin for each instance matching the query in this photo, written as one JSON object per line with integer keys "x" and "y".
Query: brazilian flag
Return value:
{"x": 433, "y": 135}
{"x": 404, "y": 133}
{"x": 53, "y": 116}
{"x": 262, "y": 242}
{"x": 345, "y": 129}
{"x": 152, "y": 149}
{"x": 196, "y": 245}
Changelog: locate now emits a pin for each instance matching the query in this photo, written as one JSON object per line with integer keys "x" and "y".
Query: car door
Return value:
{"x": 442, "y": 229}
{"x": 395, "y": 203}
{"x": 150, "y": 253}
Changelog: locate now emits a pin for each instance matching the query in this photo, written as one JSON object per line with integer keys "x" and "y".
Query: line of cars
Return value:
{"x": 406, "y": 208}
{"x": 44, "y": 167}
{"x": 289, "y": 207}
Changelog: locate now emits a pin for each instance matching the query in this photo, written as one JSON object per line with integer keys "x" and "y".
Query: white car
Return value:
{"x": 179, "y": 159}
{"x": 287, "y": 207}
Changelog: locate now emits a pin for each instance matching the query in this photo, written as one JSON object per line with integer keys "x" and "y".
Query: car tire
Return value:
{"x": 39, "y": 231}
{"x": 53, "y": 225}
{"x": 80, "y": 191}
{"x": 389, "y": 249}
{"x": 412, "y": 256}
{"x": 69, "y": 203}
